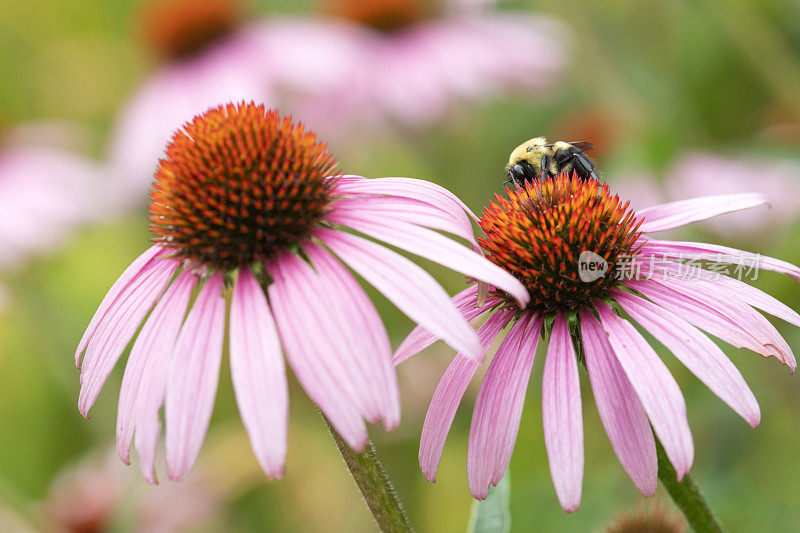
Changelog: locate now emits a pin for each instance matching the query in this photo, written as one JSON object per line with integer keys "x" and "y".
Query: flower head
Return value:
{"x": 541, "y": 231}
{"x": 247, "y": 207}
{"x": 181, "y": 28}
{"x": 592, "y": 270}
{"x": 240, "y": 187}
{"x": 382, "y": 15}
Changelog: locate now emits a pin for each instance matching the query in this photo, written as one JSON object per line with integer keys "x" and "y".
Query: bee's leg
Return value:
{"x": 582, "y": 163}
{"x": 544, "y": 167}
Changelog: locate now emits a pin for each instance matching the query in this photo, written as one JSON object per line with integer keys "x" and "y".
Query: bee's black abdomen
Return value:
{"x": 580, "y": 162}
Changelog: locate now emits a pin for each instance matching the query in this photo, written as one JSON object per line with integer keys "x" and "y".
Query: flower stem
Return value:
{"x": 374, "y": 484}
{"x": 686, "y": 495}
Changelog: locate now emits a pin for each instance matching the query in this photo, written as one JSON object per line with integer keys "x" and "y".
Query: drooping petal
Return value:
{"x": 448, "y": 395}
{"x": 116, "y": 328}
{"x": 407, "y": 210}
{"x": 657, "y": 390}
{"x": 366, "y": 331}
{"x": 314, "y": 349}
{"x": 768, "y": 341}
{"x": 435, "y": 247}
{"x": 498, "y": 407}
{"x": 258, "y": 374}
{"x": 416, "y": 189}
{"x": 749, "y": 319}
{"x": 420, "y": 338}
{"x": 406, "y": 285}
{"x": 621, "y": 412}
{"x": 720, "y": 254}
{"x": 563, "y": 420}
{"x": 676, "y": 214}
{"x": 701, "y": 315}
{"x": 652, "y": 267}
{"x": 697, "y": 352}
{"x": 153, "y": 385}
{"x": 122, "y": 282}
{"x": 193, "y": 377}
{"x": 146, "y": 370}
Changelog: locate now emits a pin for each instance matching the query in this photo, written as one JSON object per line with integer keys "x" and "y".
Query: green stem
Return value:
{"x": 374, "y": 484}
{"x": 686, "y": 495}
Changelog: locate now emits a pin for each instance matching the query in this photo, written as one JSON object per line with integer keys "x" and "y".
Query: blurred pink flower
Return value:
{"x": 706, "y": 173}
{"x": 542, "y": 234}
{"x": 247, "y": 206}
{"x": 86, "y": 497}
{"x": 99, "y": 493}
{"x": 47, "y": 189}
{"x": 408, "y": 62}
{"x": 335, "y": 74}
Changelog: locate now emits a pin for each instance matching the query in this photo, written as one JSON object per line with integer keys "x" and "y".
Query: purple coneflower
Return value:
{"x": 540, "y": 234}
{"x": 247, "y": 209}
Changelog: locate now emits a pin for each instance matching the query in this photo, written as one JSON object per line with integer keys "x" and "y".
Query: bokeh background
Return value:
{"x": 681, "y": 98}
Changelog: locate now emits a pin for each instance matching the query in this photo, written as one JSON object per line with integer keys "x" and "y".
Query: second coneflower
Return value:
{"x": 587, "y": 263}
{"x": 248, "y": 209}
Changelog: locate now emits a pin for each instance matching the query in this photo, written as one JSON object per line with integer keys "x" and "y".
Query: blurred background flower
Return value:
{"x": 653, "y": 85}
{"x": 47, "y": 189}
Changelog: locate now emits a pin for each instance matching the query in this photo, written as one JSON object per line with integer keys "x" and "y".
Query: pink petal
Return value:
{"x": 192, "y": 379}
{"x": 715, "y": 252}
{"x": 407, "y": 286}
{"x": 420, "y": 338}
{"x": 619, "y": 407}
{"x": 701, "y": 315}
{"x": 653, "y": 267}
{"x": 110, "y": 298}
{"x": 415, "y": 189}
{"x": 676, "y": 214}
{"x": 768, "y": 340}
{"x": 655, "y": 386}
{"x": 316, "y": 349}
{"x": 697, "y": 352}
{"x": 563, "y": 421}
{"x": 258, "y": 374}
{"x": 498, "y": 407}
{"x": 117, "y": 326}
{"x": 373, "y": 351}
{"x": 448, "y": 395}
{"x": 154, "y": 381}
{"x": 435, "y": 247}
{"x": 146, "y": 370}
{"x": 509, "y": 424}
{"x": 407, "y": 210}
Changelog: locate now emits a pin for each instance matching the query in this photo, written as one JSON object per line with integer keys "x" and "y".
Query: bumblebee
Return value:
{"x": 536, "y": 159}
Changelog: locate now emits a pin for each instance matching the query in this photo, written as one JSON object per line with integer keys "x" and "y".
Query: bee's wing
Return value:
{"x": 583, "y": 145}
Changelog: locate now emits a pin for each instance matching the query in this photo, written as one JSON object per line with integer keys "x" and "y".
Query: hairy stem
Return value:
{"x": 686, "y": 496}
{"x": 374, "y": 485}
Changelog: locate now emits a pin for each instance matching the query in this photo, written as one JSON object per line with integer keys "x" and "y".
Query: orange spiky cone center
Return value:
{"x": 542, "y": 231}
{"x": 238, "y": 185}
{"x": 180, "y": 28}
{"x": 382, "y": 15}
